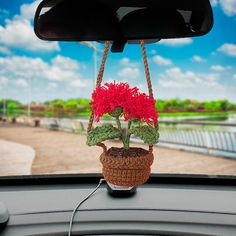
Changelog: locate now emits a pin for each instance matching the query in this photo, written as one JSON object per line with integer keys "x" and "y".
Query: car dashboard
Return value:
{"x": 166, "y": 205}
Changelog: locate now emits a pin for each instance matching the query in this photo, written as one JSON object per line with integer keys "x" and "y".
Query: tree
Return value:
{"x": 84, "y": 104}
{"x": 71, "y": 104}
{"x": 58, "y": 104}
{"x": 159, "y": 105}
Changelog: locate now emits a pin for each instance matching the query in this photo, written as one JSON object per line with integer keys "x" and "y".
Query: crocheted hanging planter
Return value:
{"x": 126, "y": 166}
{"x": 128, "y": 170}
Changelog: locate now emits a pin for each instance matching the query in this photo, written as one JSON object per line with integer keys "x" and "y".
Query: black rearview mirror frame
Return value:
{"x": 122, "y": 21}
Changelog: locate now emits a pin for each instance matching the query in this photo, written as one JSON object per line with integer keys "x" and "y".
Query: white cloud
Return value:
{"x": 234, "y": 76}
{"x": 27, "y": 11}
{"x": 93, "y": 45}
{"x": 59, "y": 69}
{"x": 162, "y": 61}
{"x": 21, "y": 66}
{"x": 176, "y": 42}
{"x": 52, "y": 85}
{"x": 124, "y": 61}
{"x": 197, "y": 58}
{"x": 65, "y": 63}
{"x": 5, "y": 50}
{"x": 21, "y": 83}
{"x": 128, "y": 63}
{"x": 175, "y": 82}
{"x": 80, "y": 83}
{"x": 3, "y": 80}
{"x": 56, "y": 73}
{"x": 18, "y": 32}
{"x": 220, "y": 68}
{"x": 65, "y": 80}
{"x": 228, "y": 49}
{"x": 214, "y": 3}
{"x": 228, "y": 6}
{"x": 129, "y": 72}
{"x": 175, "y": 77}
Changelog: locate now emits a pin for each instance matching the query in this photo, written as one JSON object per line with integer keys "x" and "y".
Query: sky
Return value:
{"x": 202, "y": 68}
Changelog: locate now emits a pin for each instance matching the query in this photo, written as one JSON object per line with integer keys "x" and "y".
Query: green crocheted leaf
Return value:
{"x": 147, "y": 134}
{"x": 102, "y": 133}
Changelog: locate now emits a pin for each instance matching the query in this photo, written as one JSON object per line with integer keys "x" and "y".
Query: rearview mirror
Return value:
{"x": 122, "y": 21}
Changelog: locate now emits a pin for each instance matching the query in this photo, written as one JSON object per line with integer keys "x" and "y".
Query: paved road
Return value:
{"x": 60, "y": 152}
{"x": 15, "y": 158}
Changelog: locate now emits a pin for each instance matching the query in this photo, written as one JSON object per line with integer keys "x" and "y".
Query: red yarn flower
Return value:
{"x": 143, "y": 108}
{"x": 106, "y": 98}
{"x": 135, "y": 104}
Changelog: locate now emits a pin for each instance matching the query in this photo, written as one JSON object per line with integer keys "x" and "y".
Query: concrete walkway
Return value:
{"x": 15, "y": 158}
{"x": 59, "y": 152}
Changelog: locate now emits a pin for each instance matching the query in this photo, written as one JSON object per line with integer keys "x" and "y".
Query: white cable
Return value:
{"x": 80, "y": 203}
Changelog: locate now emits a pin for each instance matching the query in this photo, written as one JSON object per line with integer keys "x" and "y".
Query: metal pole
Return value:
{"x": 4, "y": 107}
{"x": 29, "y": 98}
{"x": 95, "y": 50}
{"x": 4, "y": 101}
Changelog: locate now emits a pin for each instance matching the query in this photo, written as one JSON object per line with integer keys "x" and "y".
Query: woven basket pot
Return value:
{"x": 126, "y": 171}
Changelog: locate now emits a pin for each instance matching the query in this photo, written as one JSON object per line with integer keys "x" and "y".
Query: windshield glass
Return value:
{"x": 46, "y": 87}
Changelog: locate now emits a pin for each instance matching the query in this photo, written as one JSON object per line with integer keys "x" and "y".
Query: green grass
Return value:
{"x": 12, "y": 113}
{"x": 177, "y": 114}
{"x": 86, "y": 114}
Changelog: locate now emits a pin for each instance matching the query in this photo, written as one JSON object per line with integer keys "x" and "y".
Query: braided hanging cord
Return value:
{"x": 99, "y": 80}
{"x": 147, "y": 73}
{"x": 148, "y": 79}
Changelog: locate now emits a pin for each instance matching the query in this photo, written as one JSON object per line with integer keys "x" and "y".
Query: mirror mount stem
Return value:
{"x": 118, "y": 45}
